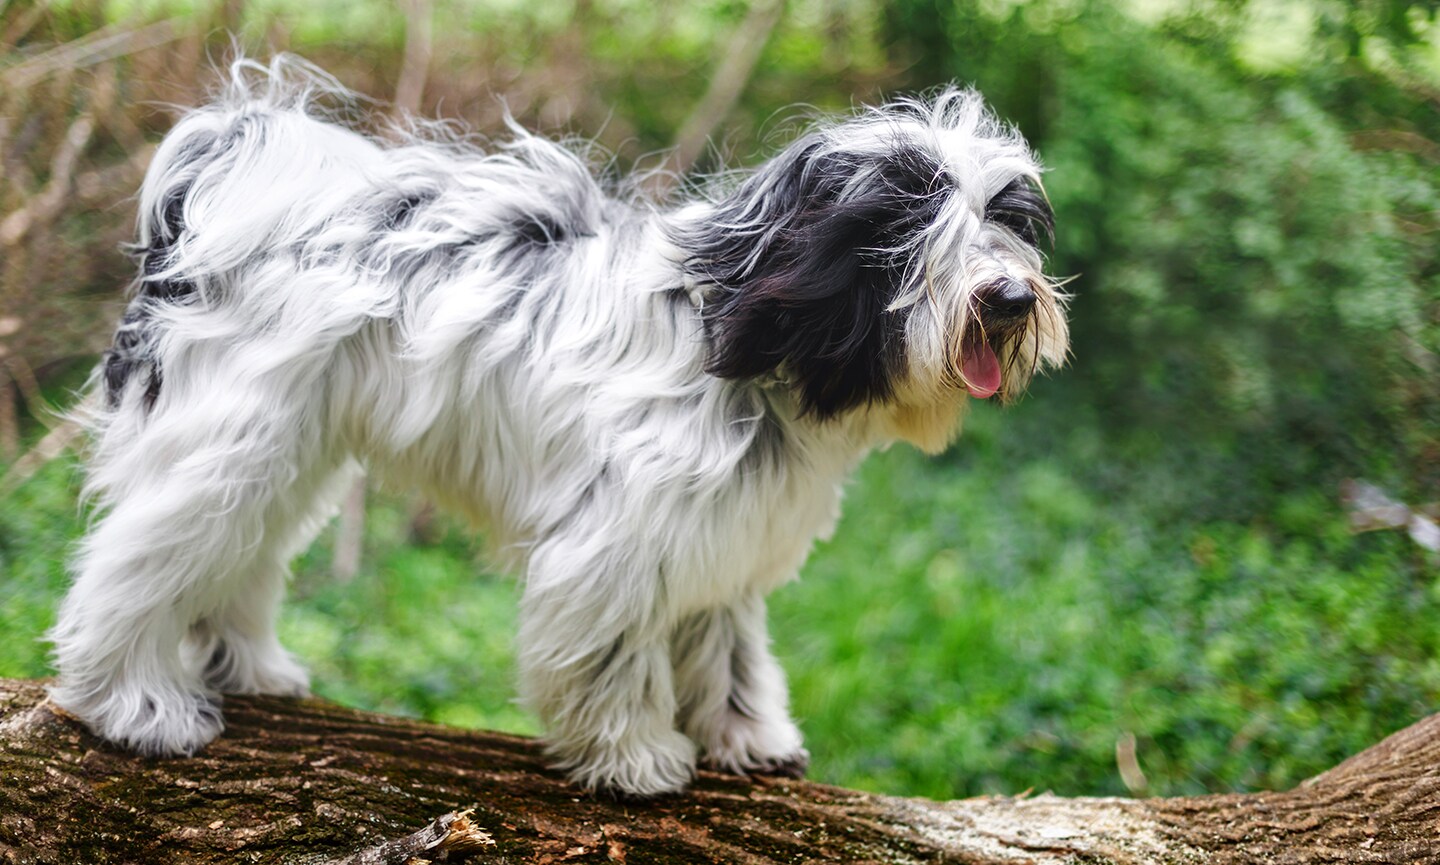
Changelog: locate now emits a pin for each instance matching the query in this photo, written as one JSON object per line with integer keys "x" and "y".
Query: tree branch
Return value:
{"x": 305, "y": 781}
{"x": 450, "y": 834}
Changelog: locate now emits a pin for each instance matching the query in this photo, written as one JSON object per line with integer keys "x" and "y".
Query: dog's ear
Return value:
{"x": 807, "y": 256}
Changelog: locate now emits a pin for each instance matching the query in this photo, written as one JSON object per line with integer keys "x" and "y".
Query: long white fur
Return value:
{"x": 558, "y": 399}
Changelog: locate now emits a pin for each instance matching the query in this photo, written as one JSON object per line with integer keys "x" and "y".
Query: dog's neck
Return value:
{"x": 930, "y": 425}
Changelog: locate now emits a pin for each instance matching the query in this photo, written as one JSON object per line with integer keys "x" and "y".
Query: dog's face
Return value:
{"x": 891, "y": 262}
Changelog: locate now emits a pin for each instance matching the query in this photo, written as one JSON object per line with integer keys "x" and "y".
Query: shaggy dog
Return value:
{"x": 651, "y": 409}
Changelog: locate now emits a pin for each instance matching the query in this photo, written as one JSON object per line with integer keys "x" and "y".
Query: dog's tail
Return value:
{"x": 228, "y": 182}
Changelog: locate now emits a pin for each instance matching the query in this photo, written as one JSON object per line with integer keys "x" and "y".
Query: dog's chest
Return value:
{"x": 759, "y": 538}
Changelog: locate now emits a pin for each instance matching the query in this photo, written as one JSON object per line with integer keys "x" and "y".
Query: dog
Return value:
{"x": 649, "y": 407}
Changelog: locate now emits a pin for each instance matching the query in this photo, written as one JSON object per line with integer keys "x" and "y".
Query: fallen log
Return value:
{"x": 307, "y": 781}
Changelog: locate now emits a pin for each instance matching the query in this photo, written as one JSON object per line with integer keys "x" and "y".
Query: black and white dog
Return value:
{"x": 651, "y": 410}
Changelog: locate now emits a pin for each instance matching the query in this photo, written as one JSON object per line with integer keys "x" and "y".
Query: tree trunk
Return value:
{"x": 306, "y": 781}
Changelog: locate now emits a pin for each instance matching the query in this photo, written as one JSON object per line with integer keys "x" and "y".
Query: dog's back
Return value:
{"x": 262, "y": 175}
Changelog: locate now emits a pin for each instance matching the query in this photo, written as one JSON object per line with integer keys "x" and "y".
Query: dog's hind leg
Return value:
{"x": 732, "y": 696}
{"x": 236, "y": 647}
{"x": 190, "y": 493}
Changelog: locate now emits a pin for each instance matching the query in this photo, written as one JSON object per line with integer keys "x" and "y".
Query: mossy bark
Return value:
{"x": 305, "y": 781}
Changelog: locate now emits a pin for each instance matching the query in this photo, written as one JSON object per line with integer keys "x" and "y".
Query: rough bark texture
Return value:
{"x": 310, "y": 782}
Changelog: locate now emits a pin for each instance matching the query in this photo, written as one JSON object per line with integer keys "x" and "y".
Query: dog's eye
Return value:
{"x": 1021, "y": 208}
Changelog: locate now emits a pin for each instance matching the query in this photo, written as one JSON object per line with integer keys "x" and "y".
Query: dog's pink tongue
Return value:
{"x": 981, "y": 368}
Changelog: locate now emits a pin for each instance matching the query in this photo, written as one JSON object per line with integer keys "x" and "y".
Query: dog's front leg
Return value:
{"x": 595, "y": 665}
{"x": 732, "y": 694}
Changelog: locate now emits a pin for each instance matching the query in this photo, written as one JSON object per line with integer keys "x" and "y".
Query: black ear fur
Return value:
{"x": 804, "y": 254}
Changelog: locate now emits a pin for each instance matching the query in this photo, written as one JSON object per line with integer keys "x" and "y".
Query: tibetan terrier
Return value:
{"x": 650, "y": 408}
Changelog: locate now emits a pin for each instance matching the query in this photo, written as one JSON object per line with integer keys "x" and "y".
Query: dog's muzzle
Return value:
{"x": 1002, "y": 308}
{"x": 1006, "y": 303}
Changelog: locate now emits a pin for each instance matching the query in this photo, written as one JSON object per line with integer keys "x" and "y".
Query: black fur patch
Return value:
{"x": 1022, "y": 208}
{"x": 530, "y": 232}
{"x": 540, "y": 229}
{"x": 133, "y": 346}
{"x": 800, "y": 256}
{"x": 402, "y": 211}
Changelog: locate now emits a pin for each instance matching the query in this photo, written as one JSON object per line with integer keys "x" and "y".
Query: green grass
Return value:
{"x": 996, "y": 620}
{"x": 989, "y": 621}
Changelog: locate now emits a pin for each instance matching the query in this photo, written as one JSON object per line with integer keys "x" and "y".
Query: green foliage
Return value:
{"x": 1247, "y": 273}
{"x": 1002, "y": 618}
{"x": 38, "y": 524}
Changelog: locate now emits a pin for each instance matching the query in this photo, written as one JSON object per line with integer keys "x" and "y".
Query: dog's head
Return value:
{"x": 891, "y": 260}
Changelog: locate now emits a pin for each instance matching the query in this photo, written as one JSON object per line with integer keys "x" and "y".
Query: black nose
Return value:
{"x": 1009, "y": 299}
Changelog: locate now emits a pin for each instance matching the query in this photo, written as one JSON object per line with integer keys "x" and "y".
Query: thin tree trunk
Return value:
{"x": 737, "y": 64}
{"x": 350, "y": 533}
{"x": 415, "y": 67}
{"x": 305, "y": 781}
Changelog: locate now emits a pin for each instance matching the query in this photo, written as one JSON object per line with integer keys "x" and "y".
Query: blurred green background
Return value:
{"x": 1147, "y": 564}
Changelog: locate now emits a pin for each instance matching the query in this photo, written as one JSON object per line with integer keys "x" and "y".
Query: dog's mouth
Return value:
{"x": 979, "y": 366}
{"x": 1000, "y": 314}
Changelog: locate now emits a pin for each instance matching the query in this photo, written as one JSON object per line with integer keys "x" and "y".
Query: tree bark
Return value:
{"x": 306, "y": 781}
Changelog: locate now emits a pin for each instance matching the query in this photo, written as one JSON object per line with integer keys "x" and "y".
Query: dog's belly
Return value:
{"x": 735, "y": 530}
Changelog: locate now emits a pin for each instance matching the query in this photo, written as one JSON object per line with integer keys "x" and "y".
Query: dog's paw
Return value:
{"x": 635, "y": 770}
{"x": 239, "y": 667}
{"x": 791, "y": 766}
{"x": 160, "y": 723}
{"x": 175, "y": 727}
{"x": 746, "y": 746}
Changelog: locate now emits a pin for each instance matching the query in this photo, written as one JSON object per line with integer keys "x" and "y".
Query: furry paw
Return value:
{"x": 239, "y": 667}
{"x": 160, "y": 723}
{"x": 792, "y": 766}
{"x": 633, "y": 770}
{"x": 746, "y": 746}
